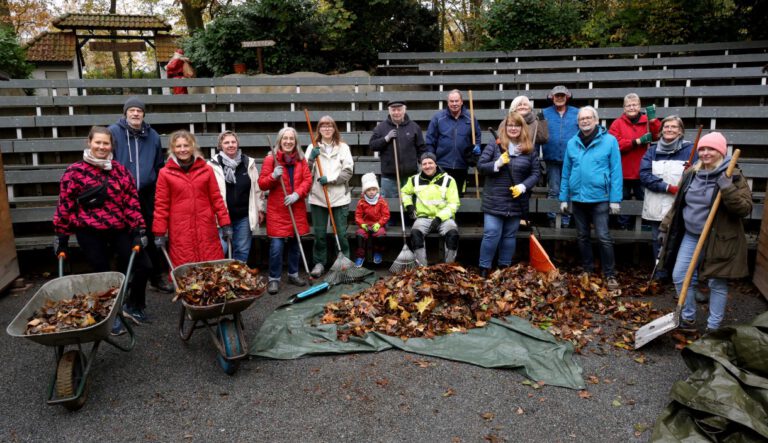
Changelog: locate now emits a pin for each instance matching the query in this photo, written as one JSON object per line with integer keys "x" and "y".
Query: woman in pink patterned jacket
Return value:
{"x": 98, "y": 204}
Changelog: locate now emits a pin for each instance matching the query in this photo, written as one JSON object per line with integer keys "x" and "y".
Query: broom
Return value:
{"x": 343, "y": 269}
{"x": 406, "y": 260}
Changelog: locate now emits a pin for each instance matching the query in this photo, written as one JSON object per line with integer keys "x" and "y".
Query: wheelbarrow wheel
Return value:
{"x": 69, "y": 374}
{"x": 227, "y": 332}
{"x": 185, "y": 332}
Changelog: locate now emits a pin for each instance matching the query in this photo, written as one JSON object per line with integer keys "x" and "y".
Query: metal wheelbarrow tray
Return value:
{"x": 222, "y": 320}
{"x": 70, "y": 380}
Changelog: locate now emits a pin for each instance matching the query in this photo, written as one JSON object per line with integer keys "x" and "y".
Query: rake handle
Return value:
{"x": 399, "y": 192}
{"x": 704, "y": 234}
{"x": 472, "y": 125}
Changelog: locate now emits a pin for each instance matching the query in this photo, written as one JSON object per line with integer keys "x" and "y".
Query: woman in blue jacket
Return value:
{"x": 511, "y": 169}
{"x": 661, "y": 169}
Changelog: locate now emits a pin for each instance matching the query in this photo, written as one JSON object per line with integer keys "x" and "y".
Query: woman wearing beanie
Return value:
{"x": 371, "y": 216}
{"x": 336, "y": 161}
{"x": 98, "y": 204}
{"x": 188, "y": 205}
{"x": 538, "y": 132}
{"x": 511, "y": 169}
{"x": 238, "y": 176}
{"x": 291, "y": 168}
{"x": 724, "y": 255}
{"x": 660, "y": 172}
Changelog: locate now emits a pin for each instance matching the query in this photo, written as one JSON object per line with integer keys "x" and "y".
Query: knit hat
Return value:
{"x": 133, "y": 102}
{"x": 428, "y": 154}
{"x": 369, "y": 181}
{"x": 395, "y": 102}
{"x": 716, "y": 141}
{"x": 559, "y": 89}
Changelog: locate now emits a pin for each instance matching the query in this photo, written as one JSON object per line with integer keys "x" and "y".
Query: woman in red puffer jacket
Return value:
{"x": 188, "y": 204}
{"x": 292, "y": 169}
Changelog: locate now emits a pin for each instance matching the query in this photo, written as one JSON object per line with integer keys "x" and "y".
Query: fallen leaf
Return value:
{"x": 488, "y": 416}
{"x": 519, "y": 411}
{"x": 585, "y": 394}
{"x": 616, "y": 403}
{"x": 449, "y": 392}
{"x": 382, "y": 382}
{"x": 593, "y": 379}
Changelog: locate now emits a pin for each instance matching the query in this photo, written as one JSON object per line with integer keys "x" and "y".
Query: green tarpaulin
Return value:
{"x": 726, "y": 397}
{"x": 295, "y": 331}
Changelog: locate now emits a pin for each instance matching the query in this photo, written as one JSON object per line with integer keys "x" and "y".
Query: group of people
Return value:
{"x": 199, "y": 209}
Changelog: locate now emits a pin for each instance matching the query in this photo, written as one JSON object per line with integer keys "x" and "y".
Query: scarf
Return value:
{"x": 287, "y": 159}
{"x": 587, "y": 138}
{"x": 664, "y": 147}
{"x": 529, "y": 117}
{"x": 372, "y": 201}
{"x": 104, "y": 164}
{"x": 513, "y": 149}
{"x": 230, "y": 164}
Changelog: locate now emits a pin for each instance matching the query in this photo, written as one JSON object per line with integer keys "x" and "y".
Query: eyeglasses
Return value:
{"x": 632, "y": 105}
{"x": 586, "y": 118}
{"x": 515, "y": 126}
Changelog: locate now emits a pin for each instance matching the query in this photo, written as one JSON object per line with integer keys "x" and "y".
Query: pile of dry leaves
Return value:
{"x": 445, "y": 298}
{"x": 80, "y": 311}
{"x": 212, "y": 284}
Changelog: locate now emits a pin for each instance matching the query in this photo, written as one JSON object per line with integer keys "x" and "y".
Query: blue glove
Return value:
{"x": 226, "y": 232}
{"x": 476, "y": 151}
{"x": 323, "y": 180}
{"x": 314, "y": 152}
{"x": 291, "y": 199}
{"x": 278, "y": 172}
{"x": 161, "y": 241}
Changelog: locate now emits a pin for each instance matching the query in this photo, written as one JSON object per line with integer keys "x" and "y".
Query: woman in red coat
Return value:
{"x": 188, "y": 204}
{"x": 294, "y": 172}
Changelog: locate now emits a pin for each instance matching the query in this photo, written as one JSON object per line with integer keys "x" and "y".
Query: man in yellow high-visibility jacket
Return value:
{"x": 436, "y": 202}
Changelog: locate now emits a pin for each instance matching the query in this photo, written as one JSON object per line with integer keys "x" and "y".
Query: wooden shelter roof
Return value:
{"x": 117, "y": 22}
{"x": 51, "y": 47}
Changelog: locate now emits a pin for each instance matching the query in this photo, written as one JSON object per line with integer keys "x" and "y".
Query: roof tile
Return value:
{"x": 111, "y": 22}
{"x": 52, "y": 47}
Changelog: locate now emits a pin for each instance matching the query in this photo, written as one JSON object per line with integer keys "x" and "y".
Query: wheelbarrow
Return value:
{"x": 69, "y": 384}
{"x": 223, "y": 320}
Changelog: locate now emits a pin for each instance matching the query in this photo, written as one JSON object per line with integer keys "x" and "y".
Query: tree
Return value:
{"x": 531, "y": 24}
{"x": 13, "y": 58}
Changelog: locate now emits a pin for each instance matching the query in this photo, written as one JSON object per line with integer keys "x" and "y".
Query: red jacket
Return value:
{"x": 278, "y": 219}
{"x": 119, "y": 211}
{"x": 369, "y": 214}
{"x": 625, "y": 132}
{"x": 187, "y": 205}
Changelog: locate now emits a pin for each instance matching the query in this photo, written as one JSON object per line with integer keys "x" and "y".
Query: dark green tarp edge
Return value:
{"x": 726, "y": 396}
{"x": 293, "y": 331}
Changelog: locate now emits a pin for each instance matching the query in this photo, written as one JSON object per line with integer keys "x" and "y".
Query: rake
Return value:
{"x": 405, "y": 260}
{"x": 343, "y": 269}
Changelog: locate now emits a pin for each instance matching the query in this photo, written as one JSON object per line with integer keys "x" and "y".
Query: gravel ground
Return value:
{"x": 167, "y": 390}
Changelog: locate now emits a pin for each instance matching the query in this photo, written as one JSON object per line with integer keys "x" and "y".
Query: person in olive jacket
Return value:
{"x": 724, "y": 255}
{"x": 511, "y": 169}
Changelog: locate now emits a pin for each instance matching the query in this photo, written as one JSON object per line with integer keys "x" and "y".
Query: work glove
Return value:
{"x": 390, "y": 135}
{"x": 540, "y": 116}
{"x": 517, "y": 190}
{"x": 278, "y": 172}
{"x": 61, "y": 245}
{"x": 646, "y": 138}
{"x": 650, "y": 112}
{"x": 139, "y": 238}
{"x": 435, "y": 225}
{"x": 411, "y": 212}
{"x": 161, "y": 241}
{"x": 291, "y": 199}
{"x": 314, "y": 152}
{"x": 724, "y": 181}
{"x": 226, "y": 233}
{"x": 323, "y": 180}
{"x": 364, "y": 227}
{"x": 672, "y": 189}
{"x": 476, "y": 151}
{"x": 502, "y": 160}
{"x": 564, "y": 207}
{"x": 376, "y": 227}
{"x": 614, "y": 208}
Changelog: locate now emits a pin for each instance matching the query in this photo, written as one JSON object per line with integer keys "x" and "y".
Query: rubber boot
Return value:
{"x": 450, "y": 255}
{"x": 421, "y": 256}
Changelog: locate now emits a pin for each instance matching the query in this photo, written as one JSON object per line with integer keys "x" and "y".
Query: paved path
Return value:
{"x": 165, "y": 390}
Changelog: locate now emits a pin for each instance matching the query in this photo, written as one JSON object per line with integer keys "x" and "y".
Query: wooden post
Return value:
{"x": 9, "y": 263}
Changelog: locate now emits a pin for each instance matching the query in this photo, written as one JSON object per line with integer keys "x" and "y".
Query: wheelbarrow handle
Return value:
{"x": 61, "y": 257}
{"x": 170, "y": 264}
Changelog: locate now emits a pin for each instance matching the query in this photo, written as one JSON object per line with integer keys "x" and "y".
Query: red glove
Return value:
{"x": 672, "y": 189}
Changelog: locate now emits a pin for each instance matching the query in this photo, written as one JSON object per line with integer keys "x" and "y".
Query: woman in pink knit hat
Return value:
{"x": 724, "y": 255}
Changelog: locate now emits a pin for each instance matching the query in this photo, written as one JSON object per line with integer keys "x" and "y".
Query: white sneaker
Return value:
{"x": 318, "y": 270}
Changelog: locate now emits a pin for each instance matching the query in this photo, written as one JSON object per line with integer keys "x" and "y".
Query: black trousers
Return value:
{"x": 100, "y": 246}
{"x": 460, "y": 175}
{"x": 147, "y": 203}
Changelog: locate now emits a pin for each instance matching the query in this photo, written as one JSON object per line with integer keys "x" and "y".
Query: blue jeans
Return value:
{"x": 495, "y": 229}
{"x": 276, "y": 246}
{"x": 241, "y": 240}
{"x": 597, "y": 214}
{"x": 718, "y": 288}
{"x": 554, "y": 174}
{"x": 389, "y": 186}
